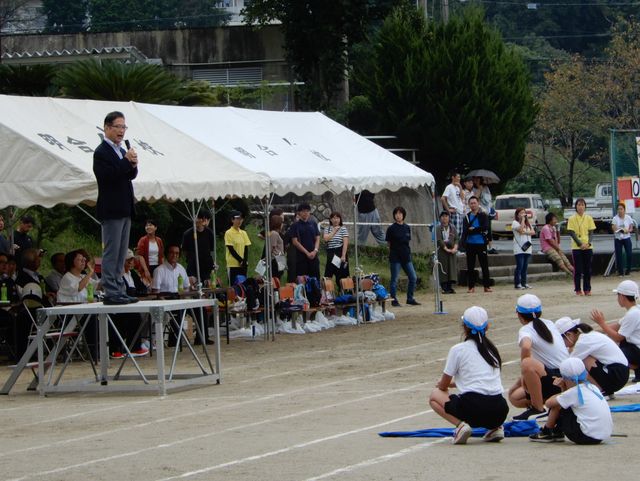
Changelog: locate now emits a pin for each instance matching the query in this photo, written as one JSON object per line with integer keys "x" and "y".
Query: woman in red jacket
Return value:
{"x": 151, "y": 247}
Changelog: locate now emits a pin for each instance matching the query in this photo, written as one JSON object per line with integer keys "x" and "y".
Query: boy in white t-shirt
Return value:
{"x": 626, "y": 332}
{"x": 453, "y": 202}
{"x": 580, "y": 412}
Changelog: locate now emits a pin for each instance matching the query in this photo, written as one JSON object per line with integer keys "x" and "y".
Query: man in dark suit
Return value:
{"x": 114, "y": 168}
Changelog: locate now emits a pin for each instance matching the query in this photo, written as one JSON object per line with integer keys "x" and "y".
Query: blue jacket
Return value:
{"x": 115, "y": 190}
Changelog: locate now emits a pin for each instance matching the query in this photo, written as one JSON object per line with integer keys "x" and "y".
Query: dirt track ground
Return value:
{"x": 307, "y": 408}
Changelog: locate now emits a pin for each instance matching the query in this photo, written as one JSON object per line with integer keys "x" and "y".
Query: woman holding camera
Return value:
{"x": 522, "y": 232}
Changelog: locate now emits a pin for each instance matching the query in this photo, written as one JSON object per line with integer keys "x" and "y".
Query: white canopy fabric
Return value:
{"x": 187, "y": 153}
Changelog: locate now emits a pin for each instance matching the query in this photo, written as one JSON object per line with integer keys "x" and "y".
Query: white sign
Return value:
{"x": 635, "y": 187}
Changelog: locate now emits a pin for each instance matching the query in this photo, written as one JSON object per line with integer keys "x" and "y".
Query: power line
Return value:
{"x": 535, "y": 5}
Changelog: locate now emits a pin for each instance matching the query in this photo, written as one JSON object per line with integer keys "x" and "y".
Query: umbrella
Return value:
{"x": 489, "y": 176}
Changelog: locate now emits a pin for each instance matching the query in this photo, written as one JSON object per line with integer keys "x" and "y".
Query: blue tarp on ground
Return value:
{"x": 512, "y": 429}
{"x": 625, "y": 408}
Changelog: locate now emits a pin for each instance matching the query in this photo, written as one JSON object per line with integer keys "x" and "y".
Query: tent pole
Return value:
{"x": 358, "y": 269}
{"x": 215, "y": 239}
{"x": 269, "y": 302}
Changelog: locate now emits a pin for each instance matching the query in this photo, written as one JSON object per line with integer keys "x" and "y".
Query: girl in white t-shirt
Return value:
{"x": 581, "y": 413}
{"x": 541, "y": 352}
{"x": 603, "y": 358}
{"x": 475, "y": 365}
{"x": 622, "y": 227}
{"x": 522, "y": 232}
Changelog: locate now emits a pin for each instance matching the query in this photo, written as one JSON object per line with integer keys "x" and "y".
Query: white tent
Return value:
{"x": 187, "y": 153}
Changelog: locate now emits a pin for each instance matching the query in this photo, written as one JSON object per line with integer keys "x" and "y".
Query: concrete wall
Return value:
{"x": 180, "y": 50}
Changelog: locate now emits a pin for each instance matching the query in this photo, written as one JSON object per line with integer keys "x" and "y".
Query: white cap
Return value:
{"x": 528, "y": 303}
{"x": 565, "y": 324}
{"x": 130, "y": 254}
{"x": 571, "y": 367}
{"x": 627, "y": 288}
{"x": 476, "y": 316}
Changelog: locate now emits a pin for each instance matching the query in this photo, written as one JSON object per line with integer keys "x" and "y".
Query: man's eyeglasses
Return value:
{"x": 119, "y": 127}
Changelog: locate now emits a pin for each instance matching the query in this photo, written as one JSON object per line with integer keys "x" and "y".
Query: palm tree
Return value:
{"x": 113, "y": 80}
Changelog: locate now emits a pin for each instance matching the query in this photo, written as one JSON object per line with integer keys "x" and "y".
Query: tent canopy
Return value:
{"x": 187, "y": 153}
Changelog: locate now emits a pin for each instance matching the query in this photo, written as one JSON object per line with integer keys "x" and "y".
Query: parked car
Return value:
{"x": 506, "y": 205}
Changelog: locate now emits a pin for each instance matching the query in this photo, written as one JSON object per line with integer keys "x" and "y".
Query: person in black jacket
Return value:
{"x": 474, "y": 237}
{"x": 114, "y": 168}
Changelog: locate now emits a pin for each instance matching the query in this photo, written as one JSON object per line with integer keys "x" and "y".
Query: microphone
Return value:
{"x": 128, "y": 144}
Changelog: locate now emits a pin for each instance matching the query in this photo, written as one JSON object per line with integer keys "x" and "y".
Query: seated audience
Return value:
{"x": 165, "y": 277}
{"x": 59, "y": 269}
{"x": 73, "y": 285}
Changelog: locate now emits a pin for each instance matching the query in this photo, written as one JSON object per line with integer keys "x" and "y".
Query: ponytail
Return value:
{"x": 539, "y": 326}
{"x": 584, "y": 328}
{"x": 486, "y": 348}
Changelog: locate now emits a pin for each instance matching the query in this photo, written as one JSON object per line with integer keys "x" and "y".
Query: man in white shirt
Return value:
{"x": 165, "y": 277}
{"x": 453, "y": 202}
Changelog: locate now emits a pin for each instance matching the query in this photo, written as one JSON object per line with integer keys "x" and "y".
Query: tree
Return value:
{"x": 318, "y": 35}
{"x": 31, "y": 80}
{"x": 112, "y": 80}
{"x": 454, "y": 91}
{"x": 9, "y": 10}
{"x": 568, "y": 139}
{"x": 65, "y": 16}
{"x": 619, "y": 77}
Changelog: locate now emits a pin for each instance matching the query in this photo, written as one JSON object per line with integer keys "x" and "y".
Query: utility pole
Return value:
{"x": 445, "y": 11}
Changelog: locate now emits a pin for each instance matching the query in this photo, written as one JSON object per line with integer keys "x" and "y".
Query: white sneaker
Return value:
{"x": 519, "y": 287}
{"x": 494, "y": 435}
{"x": 461, "y": 433}
{"x": 527, "y": 286}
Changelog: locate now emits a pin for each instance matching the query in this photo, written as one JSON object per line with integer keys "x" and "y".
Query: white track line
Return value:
{"x": 256, "y": 457}
{"x": 235, "y": 428}
{"x": 380, "y": 459}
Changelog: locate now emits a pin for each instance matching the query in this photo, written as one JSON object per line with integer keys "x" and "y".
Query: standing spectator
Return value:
{"x": 5, "y": 245}
{"x": 473, "y": 367}
{"x": 550, "y": 244}
{"x": 467, "y": 192}
{"x": 580, "y": 228}
{"x": 291, "y": 251}
{"x": 482, "y": 192}
{"x": 474, "y": 235}
{"x": 21, "y": 238}
{"x": 522, "y": 248}
{"x": 237, "y": 243}
{"x": 337, "y": 239}
{"x": 626, "y": 332}
{"x": 59, "y": 269}
{"x": 453, "y": 201}
{"x": 276, "y": 243}
{"x": 368, "y": 218}
{"x": 305, "y": 236}
{"x": 447, "y": 240}
{"x": 398, "y": 237}
{"x": 114, "y": 169}
{"x": 151, "y": 248}
{"x": 206, "y": 244}
{"x": 622, "y": 227}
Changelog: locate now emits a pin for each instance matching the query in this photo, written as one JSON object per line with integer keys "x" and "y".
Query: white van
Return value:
{"x": 506, "y": 205}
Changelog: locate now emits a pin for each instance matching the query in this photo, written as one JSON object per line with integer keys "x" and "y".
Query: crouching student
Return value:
{"x": 604, "y": 360}
{"x": 473, "y": 367}
{"x": 625, "y": 333}
{"x": 541, "y": 352}
{"x": 580, "y": 413}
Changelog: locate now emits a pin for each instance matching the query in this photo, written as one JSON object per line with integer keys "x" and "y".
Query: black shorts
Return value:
{"x": 548, "y": 388}
{"x": 631, "y": 352}
{"x": 568, "y": 423}
{"x": 610, "y": 378}
{"x": 478, "y": 410}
